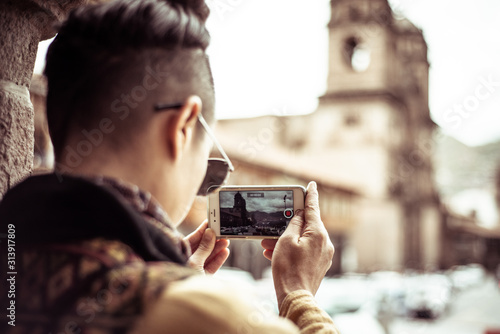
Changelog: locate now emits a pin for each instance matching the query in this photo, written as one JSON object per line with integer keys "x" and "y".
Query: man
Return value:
{"x": 130, "y": 102}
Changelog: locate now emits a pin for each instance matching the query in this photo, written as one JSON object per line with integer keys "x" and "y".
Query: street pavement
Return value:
{"x": 473, "y": 311}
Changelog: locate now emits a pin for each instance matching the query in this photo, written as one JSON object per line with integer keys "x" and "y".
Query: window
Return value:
{"x": 351, "y": 119}
{"x": 354, "y": 13}
{"x": 357, "y": 55}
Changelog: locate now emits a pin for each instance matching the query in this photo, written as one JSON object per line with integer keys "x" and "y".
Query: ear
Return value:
{"x": 182, "y": 125}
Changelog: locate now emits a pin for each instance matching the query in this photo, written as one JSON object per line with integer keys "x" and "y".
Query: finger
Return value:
{"x": 195, "y": 237}
{"x": 216, "y": 262}
{"x": 268, "y": 254}
{"x": 269, "y": 243}
{"x": 219, "y": 246}
{"x": 205, "y": 247}
{"x": 312, "y": 214}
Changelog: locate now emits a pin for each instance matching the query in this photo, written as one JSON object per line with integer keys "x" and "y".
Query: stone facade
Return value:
{"x": 23, "y": 24}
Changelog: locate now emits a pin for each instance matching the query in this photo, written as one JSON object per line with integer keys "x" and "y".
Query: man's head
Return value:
{"x": 107, "y": 68}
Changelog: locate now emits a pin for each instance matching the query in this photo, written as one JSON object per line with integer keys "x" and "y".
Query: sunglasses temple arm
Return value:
{"x": 215, "y": 141}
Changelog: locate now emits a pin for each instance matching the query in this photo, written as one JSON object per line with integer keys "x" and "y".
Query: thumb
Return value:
{"x": 296, "y": 225}
{"x": 205, "y": 248}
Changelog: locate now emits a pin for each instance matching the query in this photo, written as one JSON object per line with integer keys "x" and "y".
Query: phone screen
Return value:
{"x": 255, "y": 212}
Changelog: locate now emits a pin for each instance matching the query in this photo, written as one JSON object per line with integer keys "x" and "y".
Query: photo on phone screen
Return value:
{"x": 255, "y": 212}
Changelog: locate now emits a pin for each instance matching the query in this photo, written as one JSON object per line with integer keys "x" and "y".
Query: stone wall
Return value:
{"x": 23, "y": 24}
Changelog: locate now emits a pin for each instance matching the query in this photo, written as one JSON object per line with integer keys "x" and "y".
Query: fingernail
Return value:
{"x": 313, "y": 185}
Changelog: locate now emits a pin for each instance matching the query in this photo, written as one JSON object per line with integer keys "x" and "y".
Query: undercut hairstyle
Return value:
{"x": 108, "y": 58}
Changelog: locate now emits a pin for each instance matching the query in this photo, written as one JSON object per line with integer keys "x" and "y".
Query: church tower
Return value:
{"x": 379, "y": 136}
{"x": 240, "y": 206}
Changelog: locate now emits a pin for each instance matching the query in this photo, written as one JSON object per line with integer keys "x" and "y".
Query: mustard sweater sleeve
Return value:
{"x": 202, "y": 305}
{"x": 301, "y": 308}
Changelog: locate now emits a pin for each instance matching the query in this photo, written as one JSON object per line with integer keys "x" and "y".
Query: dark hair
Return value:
{"x": 104, "y": 50}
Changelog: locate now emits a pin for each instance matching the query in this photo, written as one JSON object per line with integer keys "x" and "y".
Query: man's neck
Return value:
{"x": 134, "y": 172}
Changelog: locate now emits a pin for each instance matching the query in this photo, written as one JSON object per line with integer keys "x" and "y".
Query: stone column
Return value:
{"x": 23, "y": 24}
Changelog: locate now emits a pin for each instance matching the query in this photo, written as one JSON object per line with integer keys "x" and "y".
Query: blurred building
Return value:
{"x": 43, "y": 159}
{"x": 470, "y": 196}
{"x": 464, "y": 242}
{"x": 371, "y": 137}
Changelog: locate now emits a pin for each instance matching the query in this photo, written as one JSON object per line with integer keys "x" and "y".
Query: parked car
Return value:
{"x": 351, "y": 302}
{"x": 344, "y": 295}
{"x": 464, "y": 277}
{"x": 427, "y": 296}
{"x": 390, "y": 287}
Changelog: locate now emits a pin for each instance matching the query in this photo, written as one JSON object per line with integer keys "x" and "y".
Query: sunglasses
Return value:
{"x": 217, "y": 169}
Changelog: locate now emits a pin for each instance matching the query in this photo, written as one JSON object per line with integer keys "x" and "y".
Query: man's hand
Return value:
{"x": 208, "y": 254}
{"x": 301, "y": 257}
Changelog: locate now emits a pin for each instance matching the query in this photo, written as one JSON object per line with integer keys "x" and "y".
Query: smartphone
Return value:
{"x": 253, "y": 212}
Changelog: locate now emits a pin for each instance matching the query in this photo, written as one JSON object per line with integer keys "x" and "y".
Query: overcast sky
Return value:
{"x": 270, "y": 57}
{"x": 271, "y": 202}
